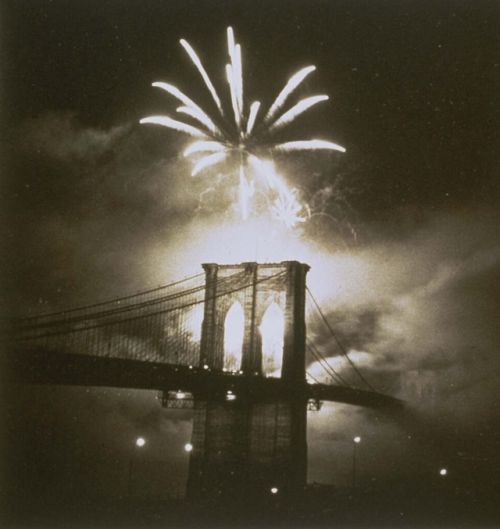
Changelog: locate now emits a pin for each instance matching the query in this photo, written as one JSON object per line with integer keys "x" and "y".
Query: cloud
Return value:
{"x": 61, "y": 136}
{"x": 418, "y": 312}
{"x": 426, "y": 310}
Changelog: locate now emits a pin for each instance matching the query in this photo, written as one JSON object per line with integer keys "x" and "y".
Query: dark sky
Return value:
{"x": 406, "y": 250}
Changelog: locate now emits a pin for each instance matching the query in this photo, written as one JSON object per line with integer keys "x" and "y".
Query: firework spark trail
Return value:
{"x": 292, "y": 84}
{"x": 203, "y": 73}
{"x": 246, "y": 191}
{"x": 244, "y": 136}
{"x": 206, "y": 161}
{"x": 238, "y": 77}
{"x": 264, "y": 169}
{"x": 253, "y": 116}
{"x": 179, "y": 95}
{"x": 176, "y": 125}
{"x": 291, "y": 114}
{"x": 204, "y": 146}
{"x": 201, "y": 117}
{"x": 308, "y": 145}
{"x": 286, "y": 207}
{"x": 234, "y": 100}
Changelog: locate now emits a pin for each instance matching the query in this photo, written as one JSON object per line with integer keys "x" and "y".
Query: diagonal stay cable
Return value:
{"x": 319, "y": 357}
{"x": 329, "y": 369}
{"x": 331, "y": 375}
{"x": 344, "y": 352}
{"x": 315, "y": 379}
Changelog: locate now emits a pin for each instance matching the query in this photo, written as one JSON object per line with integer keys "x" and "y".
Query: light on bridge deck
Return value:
{"x": 314, "y": 405}
{"x": 177, "y": 399}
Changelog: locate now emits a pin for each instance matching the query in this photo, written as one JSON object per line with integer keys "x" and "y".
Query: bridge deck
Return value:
{"x": 44, "y": 367}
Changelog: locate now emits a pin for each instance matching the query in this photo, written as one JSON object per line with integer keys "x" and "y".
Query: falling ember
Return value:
{"x": 247, "y": 136}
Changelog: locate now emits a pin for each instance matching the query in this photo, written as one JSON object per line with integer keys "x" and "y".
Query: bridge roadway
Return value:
{"x": 47, "y": 367}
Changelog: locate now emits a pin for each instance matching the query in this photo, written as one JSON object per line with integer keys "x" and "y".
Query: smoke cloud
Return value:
{"x": 105, "y": 213}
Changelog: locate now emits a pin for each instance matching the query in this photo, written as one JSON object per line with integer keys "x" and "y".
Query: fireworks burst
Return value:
{"x": 247, "y": 135}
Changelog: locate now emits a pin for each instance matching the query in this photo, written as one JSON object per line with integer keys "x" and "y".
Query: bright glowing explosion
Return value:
{"x": 248, "y": 136}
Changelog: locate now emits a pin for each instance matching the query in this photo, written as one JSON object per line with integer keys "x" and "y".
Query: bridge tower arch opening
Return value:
{"x": 272, "y": 330}
{"x": 256, "y": 440}
{"x": 234, "y": 328}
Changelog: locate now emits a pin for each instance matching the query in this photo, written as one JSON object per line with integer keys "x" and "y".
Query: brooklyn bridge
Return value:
{"x": 231, "y": 343}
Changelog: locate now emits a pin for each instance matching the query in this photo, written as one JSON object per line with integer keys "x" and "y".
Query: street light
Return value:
{"x": 356, "y": 440}
{"x": 443, "y": 472}
{"x": 195, "y": 461}
{"x": 139, "y": 442}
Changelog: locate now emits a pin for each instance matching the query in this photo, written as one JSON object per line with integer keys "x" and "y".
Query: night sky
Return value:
{"x": 405, "y": 243}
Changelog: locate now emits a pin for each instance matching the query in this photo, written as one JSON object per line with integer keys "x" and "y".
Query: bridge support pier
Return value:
{"x": 249, "y": 444}
{"x": 248, "y": 449}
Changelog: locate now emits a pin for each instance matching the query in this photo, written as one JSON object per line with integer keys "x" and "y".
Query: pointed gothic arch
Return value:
{"x": 272, "y": 329}
{"x": 234, "y": 327}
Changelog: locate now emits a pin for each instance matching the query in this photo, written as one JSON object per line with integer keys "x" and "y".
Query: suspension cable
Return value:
{"x": 117, "y": 300}
{"x": 150, "y": 314}
{"x": 125, "y": 308}
{"x": 324, "y": 368}
{"x": 344, "y": 352}
{"x": 320, "y": 358}
{"x": 315, "y": 380}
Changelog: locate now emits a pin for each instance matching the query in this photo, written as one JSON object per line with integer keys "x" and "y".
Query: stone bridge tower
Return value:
{"x": 250, "y": 441}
